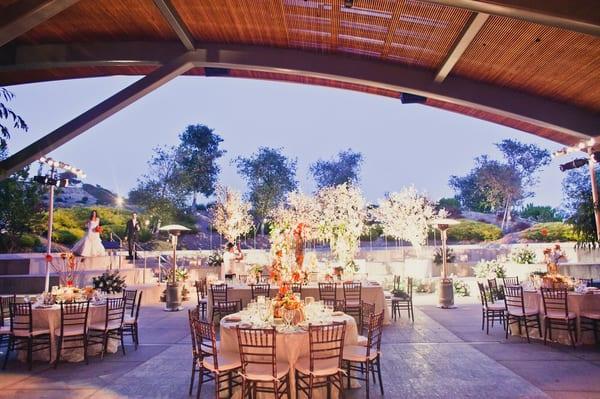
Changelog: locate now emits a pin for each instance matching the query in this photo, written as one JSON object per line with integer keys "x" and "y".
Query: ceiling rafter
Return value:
{"x": 25, "y": 15}
{"x": 172, "y": 17}
{"x": 472, "y": 27}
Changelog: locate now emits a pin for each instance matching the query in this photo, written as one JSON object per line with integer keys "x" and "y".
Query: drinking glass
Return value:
{"x": 288, "y": 316}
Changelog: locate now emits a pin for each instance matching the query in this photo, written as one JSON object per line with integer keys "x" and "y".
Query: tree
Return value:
{"x": 579, "y": 206}
{"x": 160, "y": 191}
{"x": 231, "y": 215}
{"x": 199, "y": 152}
{"x": 22, "y": 208}
{"x": 72, "y": 177}
{"x": 526, "y": 159}
{"x": 540, "y": 214}
{"x": 344, "y": 169}
{"x": 405, "y": 215}
{"x": 10, "y": 115}
{"x": 270, "y": 175}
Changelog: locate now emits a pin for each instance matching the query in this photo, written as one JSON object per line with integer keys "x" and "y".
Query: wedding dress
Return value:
{"x": 90, "y": 244}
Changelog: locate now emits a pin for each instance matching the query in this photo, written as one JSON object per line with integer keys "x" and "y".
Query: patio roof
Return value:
{"x": 532, "y": 65}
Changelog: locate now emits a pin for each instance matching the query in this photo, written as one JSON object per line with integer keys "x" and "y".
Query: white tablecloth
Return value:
{"x": 49, "y": 318}
{"x": 577, "y": 303}
{"x": 370, "y": 293}
{"x": 289, "y": 346}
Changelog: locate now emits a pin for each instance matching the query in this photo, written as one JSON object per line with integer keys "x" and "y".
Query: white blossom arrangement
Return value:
{"x": 405, "y": 215}
{"x": 231, "y": 214}
{"x": 341, "y": 221}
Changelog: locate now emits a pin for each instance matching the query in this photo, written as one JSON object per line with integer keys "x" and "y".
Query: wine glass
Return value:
{"x": 288, "y": 316}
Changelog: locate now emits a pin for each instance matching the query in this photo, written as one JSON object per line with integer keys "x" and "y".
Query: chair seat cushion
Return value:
{"x": 113, "y": 325}
{"x": 591, "y": 315}
{"x": 264, "y": 372}
{"x": 226, "y": 360}
{"x": 70, "y": 331}
{"x": 129, "y": 320}
{"x": 362, "y": 340}
{"x": 322, "y": 368}
{"x": 203, "y": 300}
{"x": 352, "y": 303}
{"x": 357, "y": 353}
{"x": 519, "y": 312}
{"x": 34, "y": 333}
{"x": 4, "y": 330}
{"x": 495, "y": 306}
{"x": 561, "y": 315}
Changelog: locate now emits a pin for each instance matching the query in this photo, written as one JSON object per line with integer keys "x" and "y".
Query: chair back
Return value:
{"x": 397, "y": 283}
{"x": 260, "y": 289}
{"x": 493, "y": 289}
{"x": 201, "y": 289}
{"x": 510, "y": 280}
{"x": 21, "y": 318}
{"x": 366, "y": 310}
{"x": 206, "y": 341}
{"x": 75, "y": 315}
{"x": 218, "y": 292}
{"x": 326, "y": 342}
{"x": 483, "y": 294}
{"x": 409, "y": 287}
{"x": 194, "y": 317}
{"x": 327, "y": 291}
{"x": 258, "y": 347}
{"x": 374, "y": 333}
{"x": 137, "y": 308}
{"x": 115, "y": 312}
{"x": 5, "y": 302}
{"x": 555, "y": 301}
{"x": 130, "y": 297}
{"x": 513, "y": 297}
{"x": 352, "y": 291}
{"x": 297, "y": 288}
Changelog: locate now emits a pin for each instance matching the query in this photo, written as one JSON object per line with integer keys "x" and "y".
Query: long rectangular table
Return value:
{"x": 370, "y": 292}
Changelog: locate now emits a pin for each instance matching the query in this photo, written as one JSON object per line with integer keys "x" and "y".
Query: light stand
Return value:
{"x": 51, "y": 180}
{"x": 445, "y": 287}
{"x": 173, "y": 294}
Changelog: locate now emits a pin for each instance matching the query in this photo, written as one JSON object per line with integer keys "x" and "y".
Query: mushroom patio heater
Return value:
{"x": 445, "y": 289}
{"x": 173, "y": 296}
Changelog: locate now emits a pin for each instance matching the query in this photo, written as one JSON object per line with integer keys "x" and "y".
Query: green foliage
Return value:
{"x": 451, "y": 205}
{"x": 460, "y": 287}
{"x": 270, "y": 175}
{"x": 523, "y": 256}
{"x": 551, "y": 232}
{"x": 577, "y": 197}
{"x": 437, "y": 256}
{"x": 344, "y": 169}
{"x": 67, "y": 236}
{"x": 29, "y": 241}
{"x": 489, "y": 269}
{"x": 216, "y": 258}
{"x": 526, "y": 159}
{"x": 424, "y": 286}
{"x": 8, "y": 114}
{"x": 110, "y": 283}
{"x": 540, "y": 214}
{"x": 469, "y": 230}
{"x": 21, "y": 209}
{"x": 199, "y": 152}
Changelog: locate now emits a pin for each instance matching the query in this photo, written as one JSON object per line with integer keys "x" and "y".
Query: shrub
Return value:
{"x": 550, "y": 232}
{"x": 469, "y": 230}
{"x": 461, "y": 288}
{"x": 67, "y": 236}
{"x": 541, "y": 214}
{"x": 489, "y": 269}
{"x": 523, "y": 256}
{"x": 437, "y": 256}
{"x": 29, "y": 241}
{"x": 451, "y": 205}
{"x": 424, "y": 286}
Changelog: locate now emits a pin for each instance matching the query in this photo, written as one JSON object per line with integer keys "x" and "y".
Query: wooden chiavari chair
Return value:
{"x": 510, "y": 281}
{"x": 404, "y": 302}
{"x": 258, "y": 356}
{"x": 111, "y": 327}
{"x": 130, "y": 297}
{"x": 323, "y": 366}
{"x": 297, "y": 289}
{"x": 130, "y": 324}
{"x": 352, "y": 299}
{"x": 260, "y": 290}
{"x": 73, "y": 329}
{"x": 220, "y": 305}
{"x": 328, "y": 295}
{"x": 201, "y": 295}
{"x": 490, "y": 311}
{"x": 516, "y": 313}
{"x": 557, "y": 315}
{"x": 494, "y": 290}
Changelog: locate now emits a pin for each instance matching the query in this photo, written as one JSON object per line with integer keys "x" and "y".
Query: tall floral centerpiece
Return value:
{"x": 292, "y": 224}
{"x": 552, "y": 256}
{"x": 405, "y": 215}
{"x": 231, "y": 214}
{"x": 341, "y": 222}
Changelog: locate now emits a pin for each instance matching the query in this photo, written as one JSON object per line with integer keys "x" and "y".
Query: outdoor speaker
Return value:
{"x": 208, "y": 71}
{"x": 408, "y": 98}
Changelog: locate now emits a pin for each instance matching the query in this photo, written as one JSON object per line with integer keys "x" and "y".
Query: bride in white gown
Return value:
{"x": 90, "y": 245}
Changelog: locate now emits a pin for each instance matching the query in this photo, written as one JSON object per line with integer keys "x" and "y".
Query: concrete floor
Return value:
{"x": 444, "y": 354}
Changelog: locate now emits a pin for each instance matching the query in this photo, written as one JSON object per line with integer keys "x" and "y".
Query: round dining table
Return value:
{"x": 48, "y": 317}
{"x": 290, "y": 344}
{"x": 577, "y": 303}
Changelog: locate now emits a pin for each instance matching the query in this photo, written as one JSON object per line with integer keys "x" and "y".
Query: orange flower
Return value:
{"x": 283, "y": 289}
{"x": 296, "y": 276}
{"x": 48, "y": 258}
{"x": 544, "y": 232}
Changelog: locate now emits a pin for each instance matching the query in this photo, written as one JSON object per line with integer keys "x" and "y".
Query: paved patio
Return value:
{"x": 443, "y": 355}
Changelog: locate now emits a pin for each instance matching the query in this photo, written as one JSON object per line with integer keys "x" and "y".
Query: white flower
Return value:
{"x": 231, "y": 215}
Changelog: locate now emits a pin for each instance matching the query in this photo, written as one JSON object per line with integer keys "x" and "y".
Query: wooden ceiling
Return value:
{"x": 545, "y": 61}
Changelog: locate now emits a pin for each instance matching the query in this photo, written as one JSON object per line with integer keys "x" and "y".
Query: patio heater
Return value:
{"x": 173, "y": 297}
{"x": 445, "y": 288}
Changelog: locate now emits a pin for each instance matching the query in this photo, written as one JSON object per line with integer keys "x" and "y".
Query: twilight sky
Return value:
{"x": 401, "y": 144}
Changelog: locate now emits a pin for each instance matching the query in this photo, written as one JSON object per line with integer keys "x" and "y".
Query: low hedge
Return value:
{"x": 550, "y": 232}
{"x": 469, "y": 230}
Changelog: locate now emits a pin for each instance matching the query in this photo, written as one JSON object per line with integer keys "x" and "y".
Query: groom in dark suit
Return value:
{"x": 131, "y": 234}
